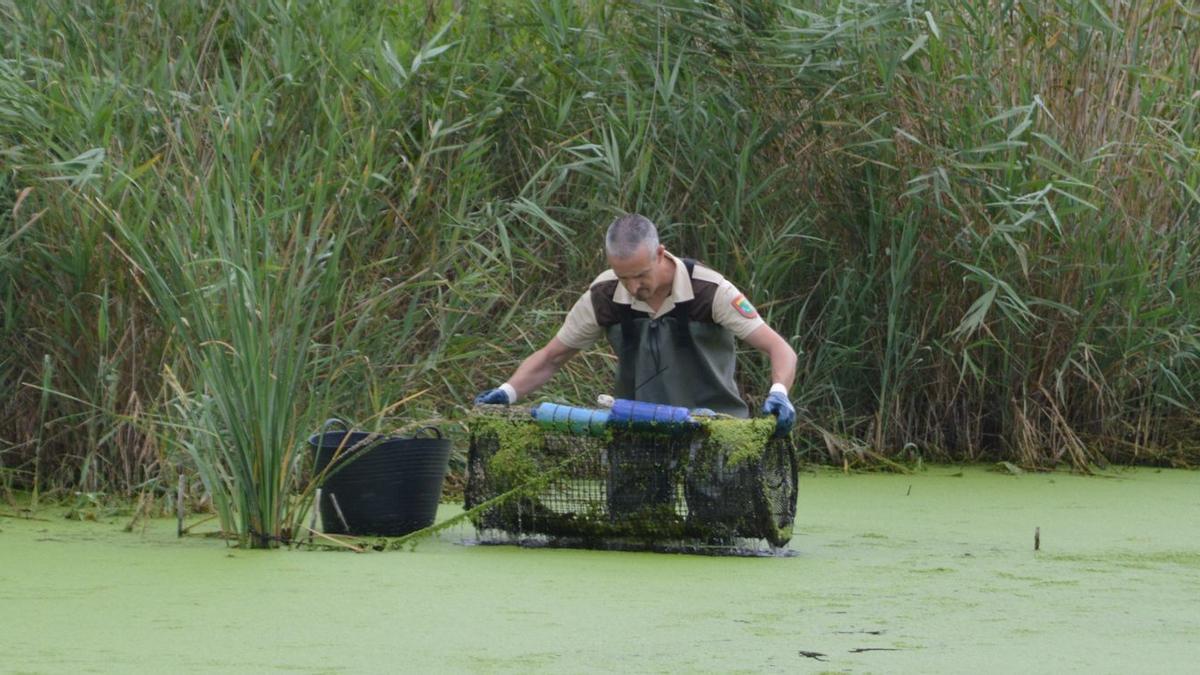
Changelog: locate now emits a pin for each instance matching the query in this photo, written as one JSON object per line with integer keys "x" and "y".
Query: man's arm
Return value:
{"x": 540, "y": 366}
{"x": 783, "y": 357}
{"x": 579, "y": 328}
{"x": 783, "y": 373}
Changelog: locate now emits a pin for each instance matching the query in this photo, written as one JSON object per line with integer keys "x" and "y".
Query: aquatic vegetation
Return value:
{"x": 242, "y": 286}
{"x": 740, "y": 441}
{"x": 1112, "y": 568}
{"x": 520, "y": 444}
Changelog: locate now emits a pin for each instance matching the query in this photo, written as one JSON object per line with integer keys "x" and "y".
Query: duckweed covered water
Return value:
{"x": 933, "y": 572}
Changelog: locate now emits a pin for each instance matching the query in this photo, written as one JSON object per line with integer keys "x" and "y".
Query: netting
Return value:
{"x": 711, "y": 487}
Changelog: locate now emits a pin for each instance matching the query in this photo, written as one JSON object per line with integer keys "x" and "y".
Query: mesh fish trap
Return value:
{"x": 710, "y": 486}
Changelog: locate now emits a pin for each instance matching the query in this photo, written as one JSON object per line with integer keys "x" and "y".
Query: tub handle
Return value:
{"x": 333, "y": 422}
{"x": 435, "y": 430}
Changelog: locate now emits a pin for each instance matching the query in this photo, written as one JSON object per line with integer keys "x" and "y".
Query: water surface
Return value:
{"x": 933, "y": 572}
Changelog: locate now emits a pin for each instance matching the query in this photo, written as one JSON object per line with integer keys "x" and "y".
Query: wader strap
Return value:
{"x": 682, "y": 311}
{"x": 629, "y": 354}
{"x": 630, "y": 343}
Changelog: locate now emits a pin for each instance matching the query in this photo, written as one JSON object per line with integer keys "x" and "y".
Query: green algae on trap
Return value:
{"x": 739, "y": 441}
{"x": 519, "y": 444}
{"x": 736, "y": 441}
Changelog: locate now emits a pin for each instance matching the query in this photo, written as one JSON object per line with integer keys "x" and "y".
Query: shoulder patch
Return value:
{"x": 743, "y": 307}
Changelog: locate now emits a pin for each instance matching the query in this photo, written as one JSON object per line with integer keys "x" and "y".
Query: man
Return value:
{"x": 672, "y": 323}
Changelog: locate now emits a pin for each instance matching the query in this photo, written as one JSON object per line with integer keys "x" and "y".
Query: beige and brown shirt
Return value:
{"x": 713, "y": 300}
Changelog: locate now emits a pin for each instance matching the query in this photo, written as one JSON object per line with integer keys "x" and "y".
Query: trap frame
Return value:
{"x": 707, "y": 488}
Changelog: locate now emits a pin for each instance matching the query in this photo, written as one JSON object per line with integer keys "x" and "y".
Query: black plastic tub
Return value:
{"x": 380, "y": 485}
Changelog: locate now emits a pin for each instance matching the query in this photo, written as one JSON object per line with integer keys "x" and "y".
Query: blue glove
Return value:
{"x": 777, "y": 404}
{"x": 495, "y": 396}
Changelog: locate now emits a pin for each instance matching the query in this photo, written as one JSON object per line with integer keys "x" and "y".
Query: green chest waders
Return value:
{"x": 675, "y": 361}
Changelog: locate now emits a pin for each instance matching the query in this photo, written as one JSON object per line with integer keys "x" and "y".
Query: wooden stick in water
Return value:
{"x": 338, "y": 509}
{"x": 339, "y": 542}
{"x": 188, "y": 529}
{"x": 312, "y": 521}
{"x": 179, "y": 494}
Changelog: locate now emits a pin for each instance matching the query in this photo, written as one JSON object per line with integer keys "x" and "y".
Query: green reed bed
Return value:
{"x": 976, "y": 222}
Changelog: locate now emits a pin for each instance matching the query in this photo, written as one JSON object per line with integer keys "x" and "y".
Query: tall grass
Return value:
{"x": 975, "y": 221}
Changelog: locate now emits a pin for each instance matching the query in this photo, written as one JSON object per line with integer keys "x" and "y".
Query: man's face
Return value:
{"x": 639, "y": 273}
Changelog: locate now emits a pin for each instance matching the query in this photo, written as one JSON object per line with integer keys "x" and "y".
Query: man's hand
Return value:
{"x": 502, "y": 395}
{"x": 777, "y": 404}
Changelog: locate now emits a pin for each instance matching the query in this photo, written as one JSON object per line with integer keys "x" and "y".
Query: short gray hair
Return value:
{"x": 628, "y": 234}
